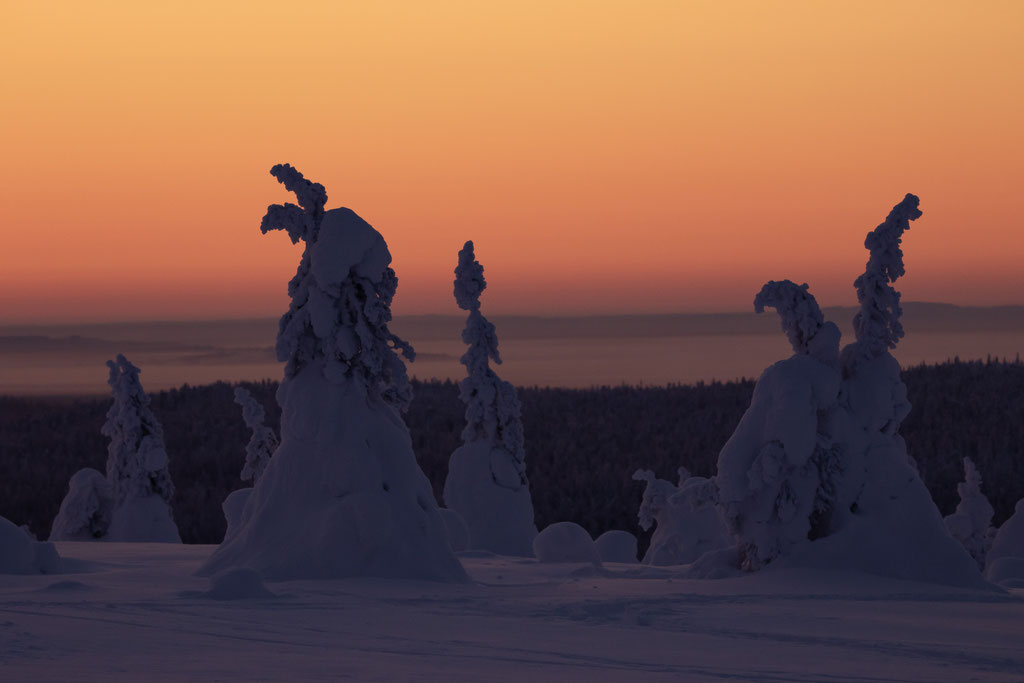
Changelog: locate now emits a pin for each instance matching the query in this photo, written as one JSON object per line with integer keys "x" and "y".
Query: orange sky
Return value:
{"x": 605, "y": 157}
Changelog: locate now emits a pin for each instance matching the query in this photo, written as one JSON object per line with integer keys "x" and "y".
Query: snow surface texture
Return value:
{"x": 240, "y": 583}
{"x": 1005, "y": 559}
{"x": 816, "y": 473}
{"x": 85, "y": 511}
{"x": 343, "y": 495}
{"x": 486, "y": 481}
{"x": 565, "y": 542}
{"x": 687, "y": 521}
{"x": 616, "y": 546}
{"x": 971, "y": 524}
{"x": 22, "y": 554}
{"x": 263, "y": 441}
{"x": 140, "y": 484}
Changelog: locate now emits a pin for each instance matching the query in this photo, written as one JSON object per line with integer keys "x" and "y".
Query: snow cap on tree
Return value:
{"x": 137, "y": 457}
{"x": 801, "y": 319}
{"x": 340, "y": 296}
{"x": 492, "y": 407}
{"x": 877, "y": 324}
{"x": 263, "y": 441}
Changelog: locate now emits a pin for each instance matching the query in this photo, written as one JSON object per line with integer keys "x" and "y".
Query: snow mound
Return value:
{"x": 85, "y": 512}
{"x": 233, "y": 507}
{"x": 458, "y": 530}
{"x": 565, "y": 542}
{"x": 486, "y": 481}
{"x": 1005, "y": 558}
{"x": 617, "y": 546}
{"x": 688, "y": 523}
{"x": 22, "y": 554}
{"x": 240, "y": 583}
{"x": 343, "y": 495}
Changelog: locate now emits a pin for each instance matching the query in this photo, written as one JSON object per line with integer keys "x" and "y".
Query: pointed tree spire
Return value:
{"x": 877, "y": 324}
{"x": 263, "y": 441}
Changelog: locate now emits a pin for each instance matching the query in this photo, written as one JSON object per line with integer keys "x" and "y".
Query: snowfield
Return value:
{"x": 136, "y": 611}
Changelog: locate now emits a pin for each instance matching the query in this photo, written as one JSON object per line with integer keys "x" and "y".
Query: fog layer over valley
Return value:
{"x": 539, "y": 351}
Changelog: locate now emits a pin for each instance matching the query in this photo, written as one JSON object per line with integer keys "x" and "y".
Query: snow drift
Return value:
{"x": 343, "y": 495}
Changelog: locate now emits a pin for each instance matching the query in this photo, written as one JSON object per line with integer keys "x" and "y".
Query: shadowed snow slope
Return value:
{"x": 137, "y": 612}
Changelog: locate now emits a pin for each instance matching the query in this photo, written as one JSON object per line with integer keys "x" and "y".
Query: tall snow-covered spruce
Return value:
{"x": 816, "y": 474}
{"x": 140, "y": 484}
{"x": 343, "y": 494}
{"x": 486, "y": 481}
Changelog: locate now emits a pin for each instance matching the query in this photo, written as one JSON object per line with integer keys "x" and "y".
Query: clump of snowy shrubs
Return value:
{"x": 486, "y": 481}
{"x": 343, "y": 494}
{"x": 686, "y": 520}
{"x": 816, "y": 473}
{"x": 133, "y": 502}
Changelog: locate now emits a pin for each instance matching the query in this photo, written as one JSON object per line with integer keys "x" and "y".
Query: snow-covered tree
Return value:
{"x": 140, "y": 484}
{"x": 263, "y": 441}
{"x": 1004, "y": 562}
{"x": 687, "y": 522}
{"x": 85, "y": 511}
{"x": 343, "y": 494}
{"x": 971, "y": 524}
{"x": 816, "y": 473}
{"x": 486, "y": 481}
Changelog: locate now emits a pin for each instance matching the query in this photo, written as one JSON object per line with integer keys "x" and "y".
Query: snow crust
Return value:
{"x": 85, "y": 512}
{"x": 343, "y": 495}
{"x": 971, "y": 524}
{"x": 140, "y": 483}
{"x": 486, "y": 482}
{"x": 816, "y": 473}
{"x": 686, "y": 519}
{"x": 617, "y": 546}
{"x": 565, "y": 542}
{"x": 22, "y": 554}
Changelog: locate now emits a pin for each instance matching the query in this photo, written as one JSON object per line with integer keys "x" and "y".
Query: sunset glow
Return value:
{"x": 604, "y": 157}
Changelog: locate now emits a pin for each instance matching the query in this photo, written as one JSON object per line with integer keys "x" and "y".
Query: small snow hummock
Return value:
{"x": 85, "y": 512}
{"x": 343, "y": 495}
{"x": 617, "y": 546}
{"x": 565, "y": 542}
{"x": 486, "y": 481}
{"x": 816, "y": 473}
{"x": 140, "y": 483}
{"x": 262, "y": 442}
{"x": 688, "y": 523}
{"x": 971, "y": 524}
{"x": 20, "y": 553}
{"x": 240, "y": 583}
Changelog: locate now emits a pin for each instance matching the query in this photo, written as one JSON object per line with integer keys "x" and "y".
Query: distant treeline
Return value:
{"x": 582, "y": 445}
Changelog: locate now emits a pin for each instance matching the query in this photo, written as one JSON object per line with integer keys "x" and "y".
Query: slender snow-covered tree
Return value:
{"x": 140, "y": 483}
{"x": 1004, "y": 562}
{"x": 971, "y": 524}
{"x": 486, "y": 481}
{"x": 343, "y": 494}
{"x": 262, "y": 442}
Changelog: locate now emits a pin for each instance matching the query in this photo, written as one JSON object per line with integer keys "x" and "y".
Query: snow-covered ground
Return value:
{"x": 137, "y": 612}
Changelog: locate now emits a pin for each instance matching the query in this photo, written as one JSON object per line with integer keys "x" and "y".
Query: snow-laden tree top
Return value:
{"x": 877, "y": 324}
{"x": 137, "y": 458}
{"x": 801, "y": 319}
{"x": 263, "y": 441}
{"x": 492, "y": 407}
{"x": 341, "y": 294}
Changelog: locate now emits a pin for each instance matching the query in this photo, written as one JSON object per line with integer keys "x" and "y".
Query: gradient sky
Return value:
{"x": 605, "y": 157}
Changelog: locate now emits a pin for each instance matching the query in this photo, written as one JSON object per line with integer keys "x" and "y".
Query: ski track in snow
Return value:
{"x": 135, "y": 611}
